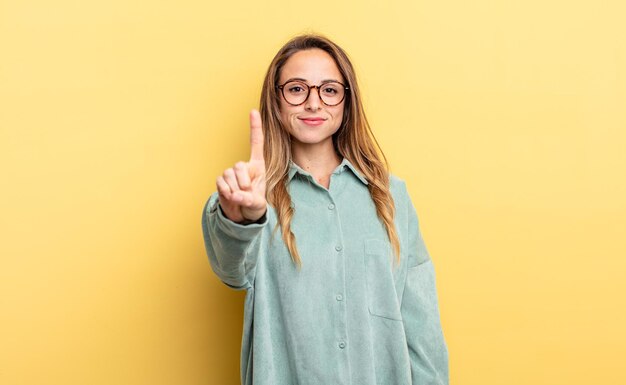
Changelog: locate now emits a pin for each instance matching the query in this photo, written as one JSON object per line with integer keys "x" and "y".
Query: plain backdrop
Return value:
{"x": 506, "y": 119}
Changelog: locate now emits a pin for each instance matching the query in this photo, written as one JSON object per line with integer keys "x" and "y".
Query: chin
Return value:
{"x": 309, "y": 140}
{"x": 312, "y": 137}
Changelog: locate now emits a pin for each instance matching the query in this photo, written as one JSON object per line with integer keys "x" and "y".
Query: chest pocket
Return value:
{"x": 381, "y": 291}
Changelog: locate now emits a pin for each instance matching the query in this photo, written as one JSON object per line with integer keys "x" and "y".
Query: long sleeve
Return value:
{"x": 232, "y": 248}
{"x": 420, "y": 311}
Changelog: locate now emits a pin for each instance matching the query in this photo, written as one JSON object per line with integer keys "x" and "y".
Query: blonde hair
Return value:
{"x": 353, "y": 140}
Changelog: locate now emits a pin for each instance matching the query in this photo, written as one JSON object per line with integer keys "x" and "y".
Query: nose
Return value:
{"x": 313, "y": 102}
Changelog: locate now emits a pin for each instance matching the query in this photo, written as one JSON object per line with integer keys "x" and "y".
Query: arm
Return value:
{"x": 232, "y": 248}
{"x": 234, "y": 216}
{"x": 420, "y": 311}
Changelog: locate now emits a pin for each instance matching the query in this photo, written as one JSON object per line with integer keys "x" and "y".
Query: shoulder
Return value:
{"x": 395, "y": 180}
{"x": 404, "y": 207}
{"x": 398, "y": 189}
{"x": 401, "y": 199}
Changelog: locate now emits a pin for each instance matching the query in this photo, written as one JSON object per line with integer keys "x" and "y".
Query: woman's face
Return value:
{"x": 312, "y": 122}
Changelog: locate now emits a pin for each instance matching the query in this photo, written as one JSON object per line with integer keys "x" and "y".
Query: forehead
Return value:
{"x": 314, "y": 65}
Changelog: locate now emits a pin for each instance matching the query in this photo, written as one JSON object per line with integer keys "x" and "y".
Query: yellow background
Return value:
{"x": 506, "y": 119}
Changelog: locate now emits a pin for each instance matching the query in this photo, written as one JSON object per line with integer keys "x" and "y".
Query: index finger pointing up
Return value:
{"x": 256, "y": 136}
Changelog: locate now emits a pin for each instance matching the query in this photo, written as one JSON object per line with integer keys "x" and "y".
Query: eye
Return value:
{"x": 296, "y": 88}
{"x": 331, "y": 89}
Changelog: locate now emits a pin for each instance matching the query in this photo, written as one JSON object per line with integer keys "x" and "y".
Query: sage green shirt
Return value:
{"x": 349, "y": 316}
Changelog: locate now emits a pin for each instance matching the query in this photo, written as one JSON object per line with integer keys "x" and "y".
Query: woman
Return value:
{"x": 340, "y": 286}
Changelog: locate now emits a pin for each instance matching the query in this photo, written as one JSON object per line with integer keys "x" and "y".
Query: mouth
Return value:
{"x": 312, "y": 121}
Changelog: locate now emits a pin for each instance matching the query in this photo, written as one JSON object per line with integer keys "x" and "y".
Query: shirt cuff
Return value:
{"x": 241, "y": 231}
{"x": 246, "y": 222}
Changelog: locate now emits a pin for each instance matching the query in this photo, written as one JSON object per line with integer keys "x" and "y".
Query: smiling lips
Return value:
{"x": 313, "y": 121}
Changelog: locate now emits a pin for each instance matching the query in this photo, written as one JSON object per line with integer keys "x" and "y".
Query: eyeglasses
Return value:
{"x": 297, "y": 92}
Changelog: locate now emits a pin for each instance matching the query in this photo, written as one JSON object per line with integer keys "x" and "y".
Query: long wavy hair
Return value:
{"x": 353, "y": 140}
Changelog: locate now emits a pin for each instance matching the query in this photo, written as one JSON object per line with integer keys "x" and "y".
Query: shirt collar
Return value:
{"x": 294, "y": 168}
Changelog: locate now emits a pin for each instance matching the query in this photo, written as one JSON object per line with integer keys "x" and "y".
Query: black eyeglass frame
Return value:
{"x": 308, "y": 92}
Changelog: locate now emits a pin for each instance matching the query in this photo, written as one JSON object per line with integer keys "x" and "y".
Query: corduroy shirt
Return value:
{"x": 351, "y": 315}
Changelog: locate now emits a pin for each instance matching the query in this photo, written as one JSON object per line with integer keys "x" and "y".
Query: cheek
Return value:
{"x": 282, "y": 109}
{"x": 286, "y": 116}
{"x": 338, "y": 115}
{"x": 286, "y": 109}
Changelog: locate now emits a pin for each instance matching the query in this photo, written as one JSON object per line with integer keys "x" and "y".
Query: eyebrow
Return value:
{"x": 304, "y": 80}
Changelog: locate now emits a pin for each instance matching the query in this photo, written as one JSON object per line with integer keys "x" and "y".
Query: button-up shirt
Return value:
{"x": 351, "y": 315}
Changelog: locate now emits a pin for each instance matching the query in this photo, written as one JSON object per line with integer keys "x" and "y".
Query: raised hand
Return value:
{"x": 241, "y": 188}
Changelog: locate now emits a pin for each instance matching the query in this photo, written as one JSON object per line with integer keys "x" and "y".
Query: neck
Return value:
{"x": 320, "y": 160}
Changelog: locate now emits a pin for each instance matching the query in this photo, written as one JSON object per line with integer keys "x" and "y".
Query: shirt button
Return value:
{"x": 331, "y": 206}
{"x": 339, "y": 297}
{"x": 342, "y": 345}
{"x": 338, "y": 247}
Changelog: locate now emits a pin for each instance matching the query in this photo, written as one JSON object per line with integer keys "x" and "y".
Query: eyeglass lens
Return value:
{"x": 296, "y": 92}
